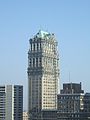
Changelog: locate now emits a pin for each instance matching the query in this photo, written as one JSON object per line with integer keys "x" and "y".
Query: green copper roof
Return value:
{"x": 42, "y": 34}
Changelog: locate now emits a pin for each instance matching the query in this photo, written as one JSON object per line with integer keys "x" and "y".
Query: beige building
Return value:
{"x": 25, "y": 115}
{"x": 43, "y": 72}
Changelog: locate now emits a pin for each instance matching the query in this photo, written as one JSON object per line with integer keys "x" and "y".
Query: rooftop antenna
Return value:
{"x": 70, "y": 83}
{"x": 69, "y": 76}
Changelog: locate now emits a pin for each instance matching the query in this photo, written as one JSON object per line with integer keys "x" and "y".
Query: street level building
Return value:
{"x": 43, "y": 73}
{"x": 73, "y": 103}
{"x": 11, "y": 102}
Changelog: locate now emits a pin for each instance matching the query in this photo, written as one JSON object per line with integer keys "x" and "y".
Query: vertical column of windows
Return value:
{"x": 49, "y": 46}
{"x": 53, "y": 49}
{"x": 31, "y": 47}
{"x": 33, "y": 62}
{"x": 36, "y": 62}
{"x": 30, "y": 62}
{"x": 40, "y": 45}
{"x": 43, "y": 61}
{"x": 37, "y": 46}
{"x": 40, "y": 62}
{"x": 46, "y": 46}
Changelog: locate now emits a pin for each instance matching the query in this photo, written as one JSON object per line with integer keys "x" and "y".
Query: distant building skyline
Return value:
{"x": 68, "y": 19}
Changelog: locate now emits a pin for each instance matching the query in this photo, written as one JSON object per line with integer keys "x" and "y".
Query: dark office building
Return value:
{"x": 73, "y": 103}
{"x": 49, "y": 114}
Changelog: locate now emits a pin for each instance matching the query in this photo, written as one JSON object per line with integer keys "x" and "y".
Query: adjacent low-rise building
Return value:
{"x": 73, "y": 103}
{"x": 49, "y": 114}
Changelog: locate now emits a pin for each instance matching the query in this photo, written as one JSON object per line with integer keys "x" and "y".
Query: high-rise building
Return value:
{"x": 73, "y": 103}
{"x": 11, "y": 102}
{"x": 43, "y": 72}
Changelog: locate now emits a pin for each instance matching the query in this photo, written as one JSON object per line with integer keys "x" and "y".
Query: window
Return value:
{"x": 31, "y": 46}
{"x": 37, "y": 46}
{"x": 36, "y": 62}
{"x": 34, "y": 46}
{"x": 30, "y": 62}
{"x": 40, "y": 61}
{"x": 33, "y": 62}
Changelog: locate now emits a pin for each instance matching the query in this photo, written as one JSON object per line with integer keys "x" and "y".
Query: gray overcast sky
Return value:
{"x": 68, "y": 19}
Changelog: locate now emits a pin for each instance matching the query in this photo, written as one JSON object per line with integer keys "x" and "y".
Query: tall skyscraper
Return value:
{"x": 11, "y": 102}
{"x": 43, "y": 72}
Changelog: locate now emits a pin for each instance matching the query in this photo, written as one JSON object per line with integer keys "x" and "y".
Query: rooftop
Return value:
{"x": 42, "y": 34}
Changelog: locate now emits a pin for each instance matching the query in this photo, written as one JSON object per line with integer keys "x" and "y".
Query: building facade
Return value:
{"x": 49, "y": 115}
{"x": 73, "y": 103}
{"x": 2, "y": 102}
{"x": 11, "y": 102}
{"x": 25, "y": 115}
{"x": 43, "y": 72}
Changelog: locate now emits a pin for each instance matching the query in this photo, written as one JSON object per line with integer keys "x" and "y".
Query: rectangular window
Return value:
{"x": 36, "y": 62}
{"x": 33, "y": 62}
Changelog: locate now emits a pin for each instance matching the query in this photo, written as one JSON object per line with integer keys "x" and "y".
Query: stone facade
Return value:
{"x": 73, "y": 103}
{"x": 43, "y": 72}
